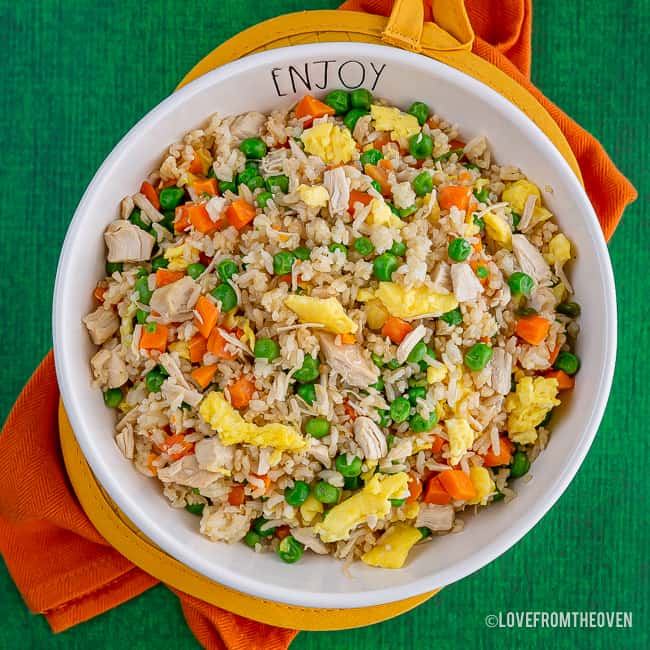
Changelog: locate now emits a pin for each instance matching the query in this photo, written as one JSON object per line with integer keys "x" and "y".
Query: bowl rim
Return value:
{"x": 456, "y": 571}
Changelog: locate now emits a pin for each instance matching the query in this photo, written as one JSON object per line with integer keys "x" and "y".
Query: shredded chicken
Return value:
{"x": 530, "y": 260}
{"x": 336, "y": 184}
{"x": 146, "y": 206}
{"x": 127, "y": 242}
{"x": 527, "y": 214}
{"x": 362, "y": 129}
{"x": 191, "y": 396}
{"x": 501, "y": 364}
{"x": 126, "y": 207}
{"x": 441, "y": 278}
{"x": 175, "y": 301}
{"x": 247, "y": 125}
{"x": 101, "y": 324}
{"x": 349, "y": 361}
{"x": 186, "y": 471}
{"x": 467, "y": 287}
{"x": 211, "y": 455}
{"x": 309, "y": 540}
{"x": 409, "y": 342}
{"x": 370, "y": 438}
{"x": 435, "y": 518}
{"x": 109, "y": 368}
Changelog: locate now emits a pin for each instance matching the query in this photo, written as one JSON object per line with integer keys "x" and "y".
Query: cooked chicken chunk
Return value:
{"x": 409, "y": 342}
{"x": 308, "y": 539}
{"x": 211, "y": 455}
{"x": 186, "y": 471}
{"x": 175, "y": 301}
{"x": 530, "y": 259}
{"x": 336, "y": 184}
{"x": 127, "y": 242}
{"x": 147, "y": 207}
{"x": 370, "y": 438}
{"x": 109, "y": 368}
{"x": 349, "y": 361}
{"x": 191, "y": 396}
{"x": 501, "y": 364}
{"x": 441, "y": 278}
{"x": 467, "y": 286}
{"x": 101, "y": 324}
{"x": 247, "y": 125}
{"x": 435, "y": 518}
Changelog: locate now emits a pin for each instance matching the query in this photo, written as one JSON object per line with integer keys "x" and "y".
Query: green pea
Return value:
{"x": 143, "y": 291}
{"x": 279, "y": 182}
{"x": 257, "y": 527}
{"x": 398, "y": 248}
{"x": 185, "y": 406}
{"x": 363, "y": 246}
{"x": 298, "y": 494}
{"x": 226, "y": 269}
{"x": 446, "y": 156}
{"x": 384, "y": 417}
{"x": 378, "y": 385}
{"x": 384, "y": 266}
{"x": 142, "y": 273}
{"x": 251, "y": 538}
{"x": 113, "y": 397}
{"x": 547, "y": 418}
{"x": 290, "y": 550}
{"x": 302, "y": 253}
{"x": 351, "y": 117}
{"x": 415, "y": 393}
{"x": 169, "y": 217}
{"x": 159, "y": 263}
{"x": 377, "y": 360}
{"x": 154, "y": 379}
{"x": 226, "y": 295}
{"x": 345, "y": 468}
{"x": 477, "y": 357}
{"x": 114, "y": 267}
{"x": 376, "y": 186}
{"x": 227, "y": 186}
{"x": 407, "y": 212}
{"x": 307, "y": 392}
{"x": 309, "y": 371}
{"x": 453, "y": 317}
{"x": 520, "y": 464}
{"x": 499, "y": 496}
{"x": 141, "y": 316}
{"x": 525, "y": 311}
{"x": 393, "y": 209}
{"x": 571, "y": 309}
{"x": 266, "y": 349}
{"x": 251, "y": 178}
{"x": 482, "y": 272}
{"x": 567, "y": 362}
{"x": 326, "y": 493}
{"x": 418, "y": 353}
{"x": 482, "y": 195}
{"x": 371, "y": 157}
{"x": 136, "y": 219}
{"x": 390, "y": 440}
{"x": 263, "y": 198}
{"x": 282, "y": 262}
{"x": 361, "y": 98}
{"x": 335, "y": 246}
{"x": 423, "y": 184}
{"x": 339, "y": 100}
{"x": 516, "y": 218}
{"x": 253, "y": 148}
{"x": 195, "y": 270}
{"x": 521, "y": 283}
{"x": 470, "y": 165}
{"x": 400, "y": 409}
{"x": 420, "y": 111}
{"x": 424, "y": 531}
{"x": 420, "y": 146}
{"x": 352, "y": 482}
{"x": 397, "y": 503}
{"x": 418, "y": 424}
{"x": 317, "y": 427}
{"x": 195, "y": 508}
{"x": 478, "y": 222}
{"x": 393, "y": 364}
{"x": 170, "y": 197}
{"x": 459, "y": 249}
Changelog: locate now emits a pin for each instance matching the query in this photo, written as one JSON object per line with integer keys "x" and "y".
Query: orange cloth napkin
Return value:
{"x": 62, "y": 566}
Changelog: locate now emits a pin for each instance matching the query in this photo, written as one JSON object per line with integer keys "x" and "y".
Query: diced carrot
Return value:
{"x": 148, "y": 190}
{"x": 386, "y": 164}
{"x": 282, "y": 531}
{"x": 477, "y": 246}
{"x": 217, "y": 345}
{"x": 165, "y": 276}
{"x": 435, "y": 493}
{"x": 98, "y": 293}
{"x": 266, "y": 479}
{"x": 533, "y": 329}
{"x": 236, "y": 496}
{"x": 177, "y": 440}
{"x": 240, "y": 213}
{"x": 456, "y": 483}
{"x": 564, "y": 381}
{"x": 415, "y": 489}
{"x": 475, "y": 264}
{"x": 379, "y": 174}
{"x": 204, "y": 375}
{"x": 241, "y": 392}
{"x": 438, "y": 442}
{"x": 464, "y": 177}
{"x": 197, "y": 347}
{"x": 456, "y": 144}
{"x": 205, "y": 186}
{"x": 154, "y": 337}
{"x": 554, "y": 352}
{"x": 381, "y": 140}
{"x": 195, "y": 215}
{"x": 285, "y": 278}
{"x": 181, "y": 218}
{"x": 349, "y": 410}
{"x": 395, "y": 329}
{"x": 433, "y": 122}
{"x": 454, "y": 195}
{"x": 150, "y": 466}
{"x": 348, "y": 339}
{"x": 198, "y": 165}
{"x": 358, "y": 197}
{"x": 209, "y": 315}
{"x": 503, "y": 457}
{"x": 310, "y": 106}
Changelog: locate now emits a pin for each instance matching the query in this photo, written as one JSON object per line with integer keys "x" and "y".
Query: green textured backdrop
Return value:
{"x": 76, "y": 75}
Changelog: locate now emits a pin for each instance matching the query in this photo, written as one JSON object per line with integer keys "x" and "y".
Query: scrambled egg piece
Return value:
{"x": 126, "y": 325}
{"x": 516, "y": 194}
{"x": 180, "y": 257}
{"x": 498, "y": 229}
{"x": 471, "y": 230}
{"x": 410, "y": 303}
{"x": 376, "y": 314}
{"x": 315, "y": 196}
{"x": 373, "y": 499}
{"x": 482, "y": 483}
{"x": 559, "y": 291}
{"x": 380, "y": 214}
{"x": 310, "y": 508}
{"x": 233, "y": 429}
{"x": 559, "y": 250}
{"x": 329, "y": 142}
{"x": 366, "y": 476}
{"x": 461, "y": 438}
{"x": 411, "y": 510}
{"x": 401, "y": 125}
{"x": 327, "y": 311}
{"x": 392, "y": 547}
{"x": 435, "y": 374}
{"x": 365, "y": 295}
{"x": 181, "y": 348}
{"x": 528, "y": 406}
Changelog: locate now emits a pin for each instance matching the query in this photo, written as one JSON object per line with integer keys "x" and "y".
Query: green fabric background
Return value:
{"x": 76, "y": 75}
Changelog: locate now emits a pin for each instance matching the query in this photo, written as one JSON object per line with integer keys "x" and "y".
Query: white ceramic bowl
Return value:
{"x": 263, "y": 82}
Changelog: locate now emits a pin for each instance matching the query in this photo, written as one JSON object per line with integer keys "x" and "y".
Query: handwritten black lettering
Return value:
{"x": 326, "y": 64}
{"x": 353, "y": 63}
{"x": 305, "y": 80}
{"x": 377, "y": 73}
{"x": 274, "y": 74}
